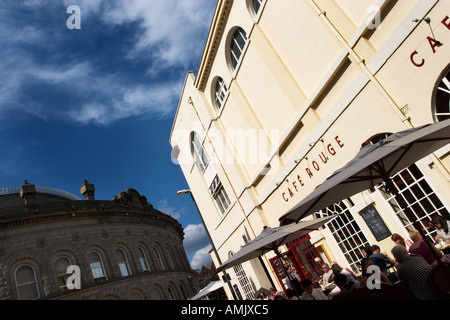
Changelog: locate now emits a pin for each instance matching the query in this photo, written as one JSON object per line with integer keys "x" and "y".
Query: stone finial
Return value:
{"x": 28, "y": 193}
{"x": 88, "y": 190}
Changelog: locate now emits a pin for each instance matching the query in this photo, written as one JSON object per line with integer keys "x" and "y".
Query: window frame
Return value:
{"x": 201, "y": 158}
{"x": 143, "y": 254}
{"x": 123, "y": 265}
{"x": 62, "y": 277}
{"x": 235, "y": 61}
{"x": 104, "y": 275}
{"x": 19, "y": 286}
{"x": 220, "y": 93}
{"x": 442, "y": 92}
{"x": 219, "y": 194}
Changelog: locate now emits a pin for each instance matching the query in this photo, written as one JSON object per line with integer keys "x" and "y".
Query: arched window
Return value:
{"x": 220, "y": 93}
{"x": 123, "y": 263}
{"x": 171, "y": 292}
{"x": 26, "y": 283}
{"x": 442, "y": 98}
{"x": 198, "y": 152}
{"x": 97, "y": 267}
{"x": 237, "y": 45}
{"x": 256, "y": 6}
{"x": 143, "y": 260}
{"x": 160, "y": 264}
{"x": 61, "y": 265}
{"x": 157, "y": 294}
{"x": 170, "y": 255}
{"x": 184, "y": 292}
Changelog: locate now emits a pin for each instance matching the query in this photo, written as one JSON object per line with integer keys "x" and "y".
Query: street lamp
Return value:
{"x": 225, "y": 275}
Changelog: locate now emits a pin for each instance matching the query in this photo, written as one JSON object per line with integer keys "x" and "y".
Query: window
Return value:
{"x": 238, "y": 43}
{"x": 198, "y": 152}
{"x": 26, "y": 283}
{"x": 219, "y": 195}
{"x": 220, "y": 93}
{"x": 160, "y": 265}
{"x": 243, "y": 281}
{"x": 420, "y": 197}
{"x": 171, "y": 293}
{"x": 442, "y": 98}
{"x": 123, "y": 263}
{"x": 346, "y": 232}
{"x": 96, "y": 264}
{"x": 143, "y": 260}
{"x": 256, "y": 6}
{"x": 61, "y": 265}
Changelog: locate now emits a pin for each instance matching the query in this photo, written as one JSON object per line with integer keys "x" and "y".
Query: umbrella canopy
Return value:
{"x": 373, "y": 165}
{"x": 272, "y": 238}
{"x": 211, "y": 287}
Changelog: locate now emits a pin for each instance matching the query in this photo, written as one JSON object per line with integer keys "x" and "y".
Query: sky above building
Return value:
{"x": 98, "y": 102}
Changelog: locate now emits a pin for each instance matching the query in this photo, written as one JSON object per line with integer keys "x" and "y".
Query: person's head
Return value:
{"x": 415, "y": 235}
{"x": 325, "y": 267}
{"x": 336, "y": 268}
{"x": 273, "y": 290}
{"x": 440, "y": 223}
{"x": 278, "y": 297}
{"x": 375, "y": 248}
{"x": 340, "y": 280}
{"x": 366, "y": 251}
{"x": 399, "y": 252}
{"x": 398, "y": 239}
{"x": 307, "y": 285}
{"x": 365, "y": 263}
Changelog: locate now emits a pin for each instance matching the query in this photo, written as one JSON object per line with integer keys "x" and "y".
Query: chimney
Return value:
{"x": 88, "y": 190}
{"x": 28, "y": 193}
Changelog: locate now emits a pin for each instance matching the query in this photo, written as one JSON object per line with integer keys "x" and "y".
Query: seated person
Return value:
{"x": 383, "y": 261}
{"x": 366, "y": 263}
{"x": 312, "y": 293}
{"x": 420, "y": 247}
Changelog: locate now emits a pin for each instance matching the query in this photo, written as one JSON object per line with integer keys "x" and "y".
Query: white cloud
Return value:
{"x": 164, "y": 207}
{"x": 195, "y": 238}
{"x": 201, "y": 258}
{"x": 173, "y": 30}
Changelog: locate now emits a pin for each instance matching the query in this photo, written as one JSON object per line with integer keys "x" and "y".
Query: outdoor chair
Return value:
{"x": 439, "y": 279}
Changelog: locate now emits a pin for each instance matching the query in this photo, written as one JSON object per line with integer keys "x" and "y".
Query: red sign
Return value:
{"x": 304, "y": 175}
{"x": 419, "y": 62}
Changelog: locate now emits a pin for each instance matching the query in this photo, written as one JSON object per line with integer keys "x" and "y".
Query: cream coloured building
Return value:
{"x": 286, "y": 93}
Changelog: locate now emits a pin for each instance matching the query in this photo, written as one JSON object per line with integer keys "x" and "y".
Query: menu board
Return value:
{"x": 375, "y": 223}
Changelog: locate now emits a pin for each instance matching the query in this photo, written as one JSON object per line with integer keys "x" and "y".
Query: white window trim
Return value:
{"x": 235, "y": 70}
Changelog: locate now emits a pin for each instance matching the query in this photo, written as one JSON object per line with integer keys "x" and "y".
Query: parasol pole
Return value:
{"x": 280, "y": 257}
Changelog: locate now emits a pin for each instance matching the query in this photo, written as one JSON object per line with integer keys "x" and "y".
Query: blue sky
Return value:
{"x": 98, "y": 103}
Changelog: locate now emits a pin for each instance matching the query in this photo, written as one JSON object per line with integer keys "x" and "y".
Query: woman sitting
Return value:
{"x": 420, "y": 247}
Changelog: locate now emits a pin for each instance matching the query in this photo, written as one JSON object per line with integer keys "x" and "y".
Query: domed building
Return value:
{"x": 55, "y": 246}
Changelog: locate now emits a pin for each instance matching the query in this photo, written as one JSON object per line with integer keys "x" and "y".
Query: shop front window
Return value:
{"x": 346, "y": 232}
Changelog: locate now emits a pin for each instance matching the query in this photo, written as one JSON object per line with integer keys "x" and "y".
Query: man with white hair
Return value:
{"x": 414, "y": 270}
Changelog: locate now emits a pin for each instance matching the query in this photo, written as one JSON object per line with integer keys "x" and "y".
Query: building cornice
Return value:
{"x": 213, "y": 41}
{"x": 47, "y": 213}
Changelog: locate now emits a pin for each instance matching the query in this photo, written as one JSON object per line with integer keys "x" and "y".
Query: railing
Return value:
{"x": 43, "y": 190}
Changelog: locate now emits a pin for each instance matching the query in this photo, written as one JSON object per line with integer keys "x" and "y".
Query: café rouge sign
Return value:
{"x": 313, "y": 166}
